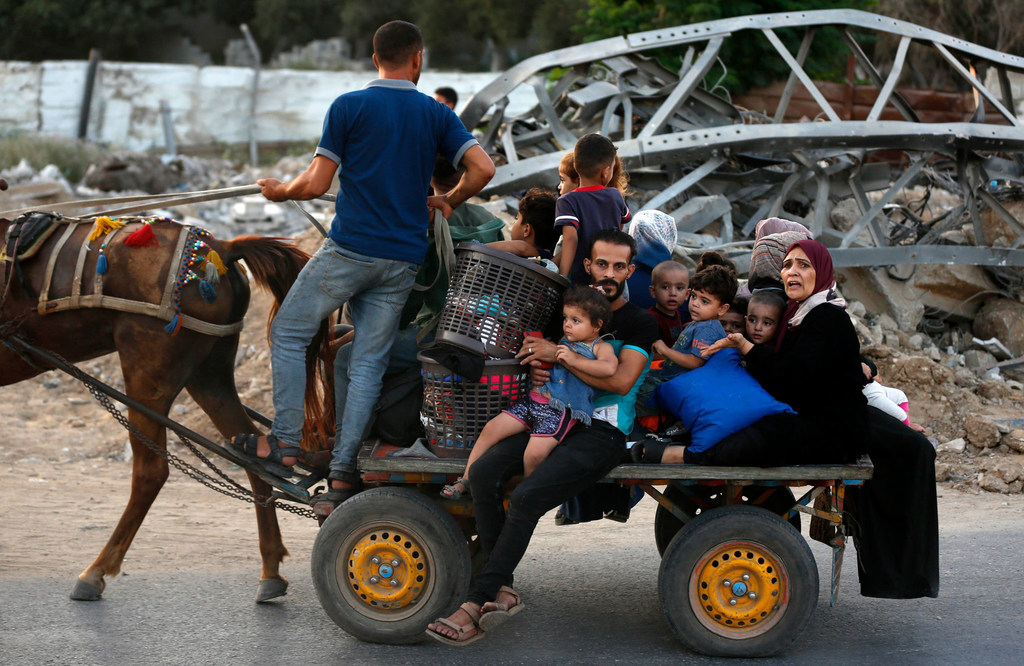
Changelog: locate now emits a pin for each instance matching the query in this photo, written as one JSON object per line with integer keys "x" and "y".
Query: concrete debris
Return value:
{"x": 1002, "y": 319}
{"x": 952, "y": 446}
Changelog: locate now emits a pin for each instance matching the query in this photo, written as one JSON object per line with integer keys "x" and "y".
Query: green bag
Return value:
{"x": 468, "y": 222}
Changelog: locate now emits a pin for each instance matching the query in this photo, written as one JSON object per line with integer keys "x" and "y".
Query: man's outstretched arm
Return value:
{"x": 309, "y": 184}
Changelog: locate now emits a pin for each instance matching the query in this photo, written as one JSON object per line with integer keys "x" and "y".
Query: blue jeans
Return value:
{"x": 376, "y": 290}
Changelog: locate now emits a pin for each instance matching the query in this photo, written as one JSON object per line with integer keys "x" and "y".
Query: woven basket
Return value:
{"x": 493, "y": 298}
{"x": 455, "y": 410}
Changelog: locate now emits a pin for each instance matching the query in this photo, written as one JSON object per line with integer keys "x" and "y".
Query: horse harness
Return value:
{"x": 26, "y": 235}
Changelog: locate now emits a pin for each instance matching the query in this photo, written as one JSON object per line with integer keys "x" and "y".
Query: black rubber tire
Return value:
{"x": 693, "y": 500}
{"x": 428, "y": 543}
{"x": 727, "y": 542}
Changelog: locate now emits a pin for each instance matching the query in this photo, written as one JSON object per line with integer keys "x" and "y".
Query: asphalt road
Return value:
{"x": 591, "y": 595}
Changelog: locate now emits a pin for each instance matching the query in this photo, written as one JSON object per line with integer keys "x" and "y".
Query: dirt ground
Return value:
{"x": 65, "y": 472}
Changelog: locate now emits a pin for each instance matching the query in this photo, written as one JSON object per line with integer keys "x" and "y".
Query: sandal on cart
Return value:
{"x": 339, "y": 495}
{"x": 461, "y": 630}
{"x": 649, "y": 450}
{"x": 499, "y": 611}
{"x": 246, "y": 446}
{"x": 452, "y": 492}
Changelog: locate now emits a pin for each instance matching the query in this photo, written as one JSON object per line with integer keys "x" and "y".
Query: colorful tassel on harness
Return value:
{"x": 213, "y": 258}
{"x": 141, "y": 237}
{"x": 101, "y": 263}
{"x": 103, "y": 226}
{"x": 207, "y": 291}
{"x": 174, "y": 325}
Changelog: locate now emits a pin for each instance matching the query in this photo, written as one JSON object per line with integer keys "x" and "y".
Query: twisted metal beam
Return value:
{"x": 680, "y": 138}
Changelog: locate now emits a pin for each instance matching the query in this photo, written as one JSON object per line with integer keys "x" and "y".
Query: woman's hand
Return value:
{"x": 731, "y": 341}
{"x": 536, "y": 350}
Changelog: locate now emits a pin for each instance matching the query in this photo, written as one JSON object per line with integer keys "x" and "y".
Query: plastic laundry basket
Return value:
{"x": 493, "y": 297}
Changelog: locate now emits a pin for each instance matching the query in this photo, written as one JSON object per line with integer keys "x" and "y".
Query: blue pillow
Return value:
{"x": 717, "y": 399}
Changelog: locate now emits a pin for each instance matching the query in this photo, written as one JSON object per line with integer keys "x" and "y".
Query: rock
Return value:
{"x": 981, "y": 432}
{"x": 979, "y": 360}
{"x": 919, "y": 371}
{"x": 952, "y": 288}
{"x": 857, "y": 309}
{"x": 877, "y": 292}
{"x": 1013, "y": 440}
{"x": 941, "y": 472}
{"x": 886, "y": 323}
{"x": 1004, "y": 468}
{"x": 964, "y": 378}
{"x": 992, "y": 483}
{"x": 1003, "y": 319}
{"x": 993, "y": 388}
{"x": 133, "y": 171}
{"x": 934, "y": 353}
{"x": 952, "y": 446}
{"x": 916, "y": 341}
{"x": 52, "y": 383}
{"x": 892, "y": 339}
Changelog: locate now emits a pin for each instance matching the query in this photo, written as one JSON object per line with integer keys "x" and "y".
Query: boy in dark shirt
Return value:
{"x": 533, "y": 232}
{"x": 670, "y": 283}
{"x": 589, "y": 208}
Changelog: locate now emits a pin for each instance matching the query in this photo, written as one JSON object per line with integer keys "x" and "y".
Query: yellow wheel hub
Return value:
{"x": 738, "y": 589}
{"x": 387, "y": 569}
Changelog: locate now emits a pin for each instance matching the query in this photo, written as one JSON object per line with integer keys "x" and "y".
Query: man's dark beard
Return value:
{"x": 619, "y": 288}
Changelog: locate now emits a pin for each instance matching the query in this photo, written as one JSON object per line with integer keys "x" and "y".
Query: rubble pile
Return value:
{"x": 954, "y": 342}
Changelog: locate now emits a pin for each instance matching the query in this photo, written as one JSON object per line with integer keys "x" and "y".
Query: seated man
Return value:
{"x": 585, "y": 456}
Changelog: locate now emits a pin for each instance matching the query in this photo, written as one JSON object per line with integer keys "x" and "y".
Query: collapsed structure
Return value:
{"x": 718, "y": 168}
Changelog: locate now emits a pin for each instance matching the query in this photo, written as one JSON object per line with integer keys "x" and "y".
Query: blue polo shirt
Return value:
{"x": 385, "y": 137}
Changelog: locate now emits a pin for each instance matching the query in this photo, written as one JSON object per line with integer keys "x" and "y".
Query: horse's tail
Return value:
{"x": 275, "y": 264}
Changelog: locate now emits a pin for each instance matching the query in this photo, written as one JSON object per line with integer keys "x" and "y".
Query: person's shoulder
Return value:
{"x": 829, "y": 314}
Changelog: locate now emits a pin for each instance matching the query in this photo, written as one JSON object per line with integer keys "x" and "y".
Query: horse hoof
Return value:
{"x": 84, "y": 591}
{"x": 271, "y": 588}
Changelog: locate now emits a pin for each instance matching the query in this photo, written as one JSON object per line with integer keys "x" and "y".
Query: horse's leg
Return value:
{"x": 149, "y": 472}
{"x": 213, "y": 388}
{"x": 153, "y": 375}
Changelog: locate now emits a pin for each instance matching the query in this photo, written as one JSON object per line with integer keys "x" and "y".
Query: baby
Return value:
{"x": 670, "y": 283}
{"x": 890, "y": 400}
{"x": 551, "y": 410}
{"x": 764, "y": 312}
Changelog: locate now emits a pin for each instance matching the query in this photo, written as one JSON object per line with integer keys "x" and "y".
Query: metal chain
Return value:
{"x": 227, "y": 486}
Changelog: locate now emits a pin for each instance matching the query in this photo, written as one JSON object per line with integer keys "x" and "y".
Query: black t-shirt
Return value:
{"x": 634, "y": 328}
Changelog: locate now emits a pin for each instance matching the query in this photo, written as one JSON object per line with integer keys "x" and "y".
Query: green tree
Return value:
{"x": 750, "y": 61}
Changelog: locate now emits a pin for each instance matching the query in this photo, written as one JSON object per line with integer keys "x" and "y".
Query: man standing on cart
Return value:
{"x": 385, "y": 138}
{"x": 584, "y": 457}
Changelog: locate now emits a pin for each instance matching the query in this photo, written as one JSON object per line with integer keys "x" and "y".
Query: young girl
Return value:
{"x": 569, "y": 180}
{"x": 551, "y": 410}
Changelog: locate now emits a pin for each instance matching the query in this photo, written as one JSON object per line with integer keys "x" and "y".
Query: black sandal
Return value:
{"x": 339, "y": 495}
{"x": 246, "y": 446}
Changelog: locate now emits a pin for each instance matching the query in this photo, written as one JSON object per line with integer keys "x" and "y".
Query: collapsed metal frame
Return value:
{"x": 713, "y": 161}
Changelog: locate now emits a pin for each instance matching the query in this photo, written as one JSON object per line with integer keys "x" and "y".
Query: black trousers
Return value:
{"x": 894, "y": 516}
{"x": 581, "y": 459}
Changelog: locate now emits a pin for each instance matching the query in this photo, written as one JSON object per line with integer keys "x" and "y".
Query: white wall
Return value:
{"x": 208, "y": 104}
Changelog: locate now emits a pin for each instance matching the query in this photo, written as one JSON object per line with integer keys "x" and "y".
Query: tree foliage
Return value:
{"x": 750, "y": 61}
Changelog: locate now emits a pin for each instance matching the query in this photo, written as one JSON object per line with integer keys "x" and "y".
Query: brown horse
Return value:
{"x": 156, "y": 364}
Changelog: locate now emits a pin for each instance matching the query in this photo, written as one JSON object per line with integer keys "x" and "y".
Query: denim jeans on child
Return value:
{"x": 376, "y": 289}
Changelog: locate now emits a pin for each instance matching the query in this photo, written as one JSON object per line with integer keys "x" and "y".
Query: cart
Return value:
{"x": 736, "y": 578}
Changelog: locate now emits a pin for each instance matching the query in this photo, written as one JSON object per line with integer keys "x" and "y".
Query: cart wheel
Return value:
{"x": 738, "y": 581}
{"x": 693, "y": 500}
{"x": 387, "y": 562}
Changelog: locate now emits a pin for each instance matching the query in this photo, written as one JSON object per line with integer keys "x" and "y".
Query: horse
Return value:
{"x": 170, "y": 304}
